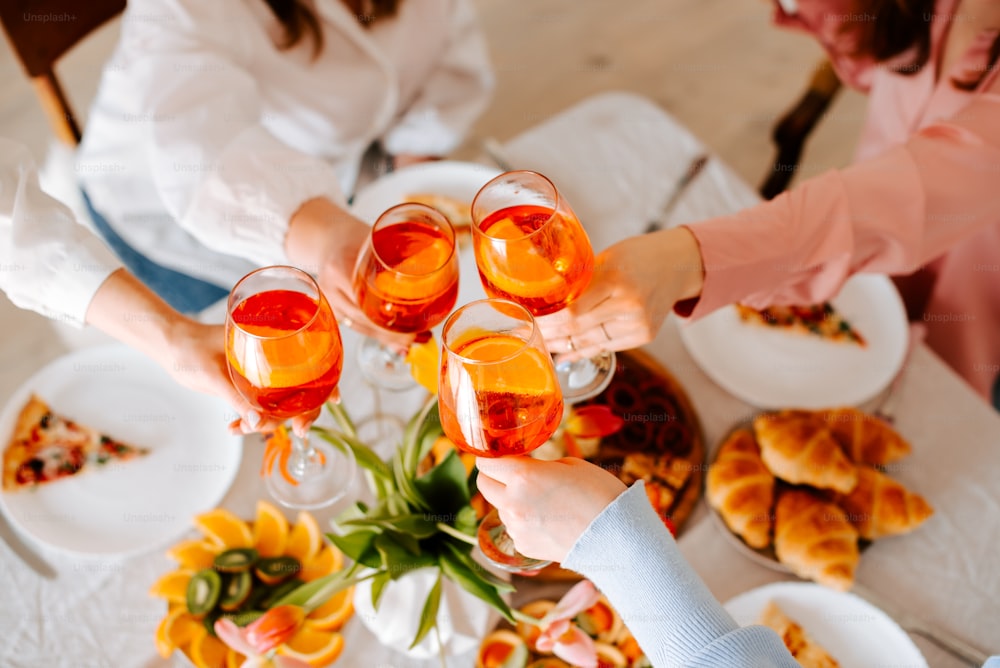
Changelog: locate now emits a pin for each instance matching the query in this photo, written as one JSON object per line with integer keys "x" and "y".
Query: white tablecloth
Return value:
{"x": 615, "y": 157}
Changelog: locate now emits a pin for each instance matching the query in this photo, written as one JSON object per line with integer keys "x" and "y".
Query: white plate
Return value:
{"x": 853, "y": 631}
{"x": 461, "y": 180}
{"x": 770, "y": 368}
{"x": 127, "y": 507}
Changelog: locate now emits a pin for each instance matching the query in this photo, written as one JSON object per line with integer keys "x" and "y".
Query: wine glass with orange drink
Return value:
{"x": 498, "y": 396}
{"x": 285, "y": 357}
{"x": 531, "y": 249}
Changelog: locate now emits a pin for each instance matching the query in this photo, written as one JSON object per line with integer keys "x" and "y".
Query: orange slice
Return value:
{"x": 224, "y": 529}
{"x": 326, "y": 561}
{"x": 206, "y": 651}
{"x": 528, "y": 371}
{"x": 234, "y": 659}
{"x": 314, "y": 646}
{"x": 425, "y": 363}
{"x": 175, "y": 630}
{"x": 305, "y": 539}
{"x": 172, "y": 586}
{"x": 335, "y": 612}
{"x": 194, "y": 554}
{"x": 270, "y": 531}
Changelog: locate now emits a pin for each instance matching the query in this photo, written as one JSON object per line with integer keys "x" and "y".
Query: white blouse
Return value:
{"x": 48, "y": 262}
{"x": 205, "y": 138}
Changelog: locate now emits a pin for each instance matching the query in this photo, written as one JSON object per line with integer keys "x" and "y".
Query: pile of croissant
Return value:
{"x": 809, "y": 483}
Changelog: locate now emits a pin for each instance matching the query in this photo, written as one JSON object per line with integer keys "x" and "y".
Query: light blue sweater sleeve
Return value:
{"x": 632, "y": 558}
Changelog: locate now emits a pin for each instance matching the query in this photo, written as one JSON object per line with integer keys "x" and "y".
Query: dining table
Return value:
{"x": 615, "y": 156}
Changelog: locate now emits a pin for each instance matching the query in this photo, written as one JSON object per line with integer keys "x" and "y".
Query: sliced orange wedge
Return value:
{"x": 270, "y": 531}
{"x": 314, "y": 646}
{"x": 305, "y": 538}
{"x": 206, "y": 651}
{"x": 224, "y": 529}
{"x": 194, "y": 554}
{"x": 175, "y": 630}
{"x": 172, "y": 586}
{"x": 335, "y": 612}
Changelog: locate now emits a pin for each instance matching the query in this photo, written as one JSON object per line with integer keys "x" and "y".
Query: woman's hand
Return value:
{"x": 546, "y": 506}
{"x": 195, "y": 357}
{"x": 636, "y": 283}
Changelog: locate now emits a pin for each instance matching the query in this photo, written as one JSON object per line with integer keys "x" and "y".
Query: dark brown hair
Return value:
{"x": 298, "y": 18}
{"x": 889, "y": 28}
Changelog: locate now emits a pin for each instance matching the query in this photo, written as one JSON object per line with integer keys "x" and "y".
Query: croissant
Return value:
{"x": 800, "y": 644}
{"x": 880, "y": 506}
{"x": 814, "y": 539}
{"x": 864, "y": 438}
{"x": 798, "y": 448}
{"x": 741, "y": 488}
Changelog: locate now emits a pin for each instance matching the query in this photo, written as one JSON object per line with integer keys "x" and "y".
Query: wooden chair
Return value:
{"x": 41, "y": 32}
{"x": 792, "y": 129}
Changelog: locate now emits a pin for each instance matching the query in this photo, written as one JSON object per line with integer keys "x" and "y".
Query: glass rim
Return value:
{"x": 285, "y": 267}
{"x": 557, "y": 204}
{"x": 479, "y": 302}
{"x": 434, "y": 213}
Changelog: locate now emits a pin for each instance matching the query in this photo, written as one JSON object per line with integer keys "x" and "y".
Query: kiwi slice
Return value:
{"x": 203, "y": 591}
{"x": 209, "y": 622}
{"x": 236, "y": 560}
{"x": 236, "y": 591}
{"x": 274, "y": 570}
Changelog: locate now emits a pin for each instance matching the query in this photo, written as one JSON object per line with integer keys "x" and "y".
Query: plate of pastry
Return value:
{"x": 791, "y": 480}
{"x": 823, "y": 628}
{"x": 105, "y": 454}
{"x": 837, "y": 353}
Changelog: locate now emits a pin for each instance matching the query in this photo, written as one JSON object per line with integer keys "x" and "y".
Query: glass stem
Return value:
{"x": 303, "y": 454}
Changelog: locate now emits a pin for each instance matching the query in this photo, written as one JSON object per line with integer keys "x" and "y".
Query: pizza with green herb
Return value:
{"x": 47, "y": 446}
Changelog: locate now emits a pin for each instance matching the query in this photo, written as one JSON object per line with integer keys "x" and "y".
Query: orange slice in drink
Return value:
{"x": 194, "y": 554}
{"x": 224, "y": 529}
{"x": 526, "y": 273}
{"x": 305, "y": 539}
{"x": 523, "y": 371}
{"x": 172, "y": 586}
{"x": 270, "y": 531}
{"x": 335, "y": 612}
{"x": 314, "y": 646}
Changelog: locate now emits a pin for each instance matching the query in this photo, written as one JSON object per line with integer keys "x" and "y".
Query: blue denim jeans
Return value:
{"x": 186, "y": 294}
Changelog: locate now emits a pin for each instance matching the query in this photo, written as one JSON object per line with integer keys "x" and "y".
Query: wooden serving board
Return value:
{"x": 659, "y": 421}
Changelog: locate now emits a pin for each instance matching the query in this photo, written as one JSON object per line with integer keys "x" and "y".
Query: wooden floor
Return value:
{"x": 716, "y": 65}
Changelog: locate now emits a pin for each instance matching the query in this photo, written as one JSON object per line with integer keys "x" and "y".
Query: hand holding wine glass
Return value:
{"x": 498, "y": 396}
{"x": 530, "y": 248}
{"x": 285, "y": 357}
{"x": 406, "y": 281}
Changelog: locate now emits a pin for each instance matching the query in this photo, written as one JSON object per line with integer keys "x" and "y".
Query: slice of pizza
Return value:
{"x": 820, "y": 320}
{"x": 458, "y": 212}
{"x": 47, "y": 446}
{"x": 800, "y": 644}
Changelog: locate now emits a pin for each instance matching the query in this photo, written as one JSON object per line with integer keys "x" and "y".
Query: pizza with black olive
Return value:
{"x": 47, "y": 446}
{"x": 820, "y": 320}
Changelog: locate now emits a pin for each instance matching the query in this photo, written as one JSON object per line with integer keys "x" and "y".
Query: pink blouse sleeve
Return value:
{"x": 888, "y": 214}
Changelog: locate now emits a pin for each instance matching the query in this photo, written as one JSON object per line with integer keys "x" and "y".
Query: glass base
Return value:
{"x": 382, "y": 433}
{"x": 586, "y": 378}
{"x": 384, "y": 367}
{"x": 498, "y": 548}
{"x": 322, "y": 479}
